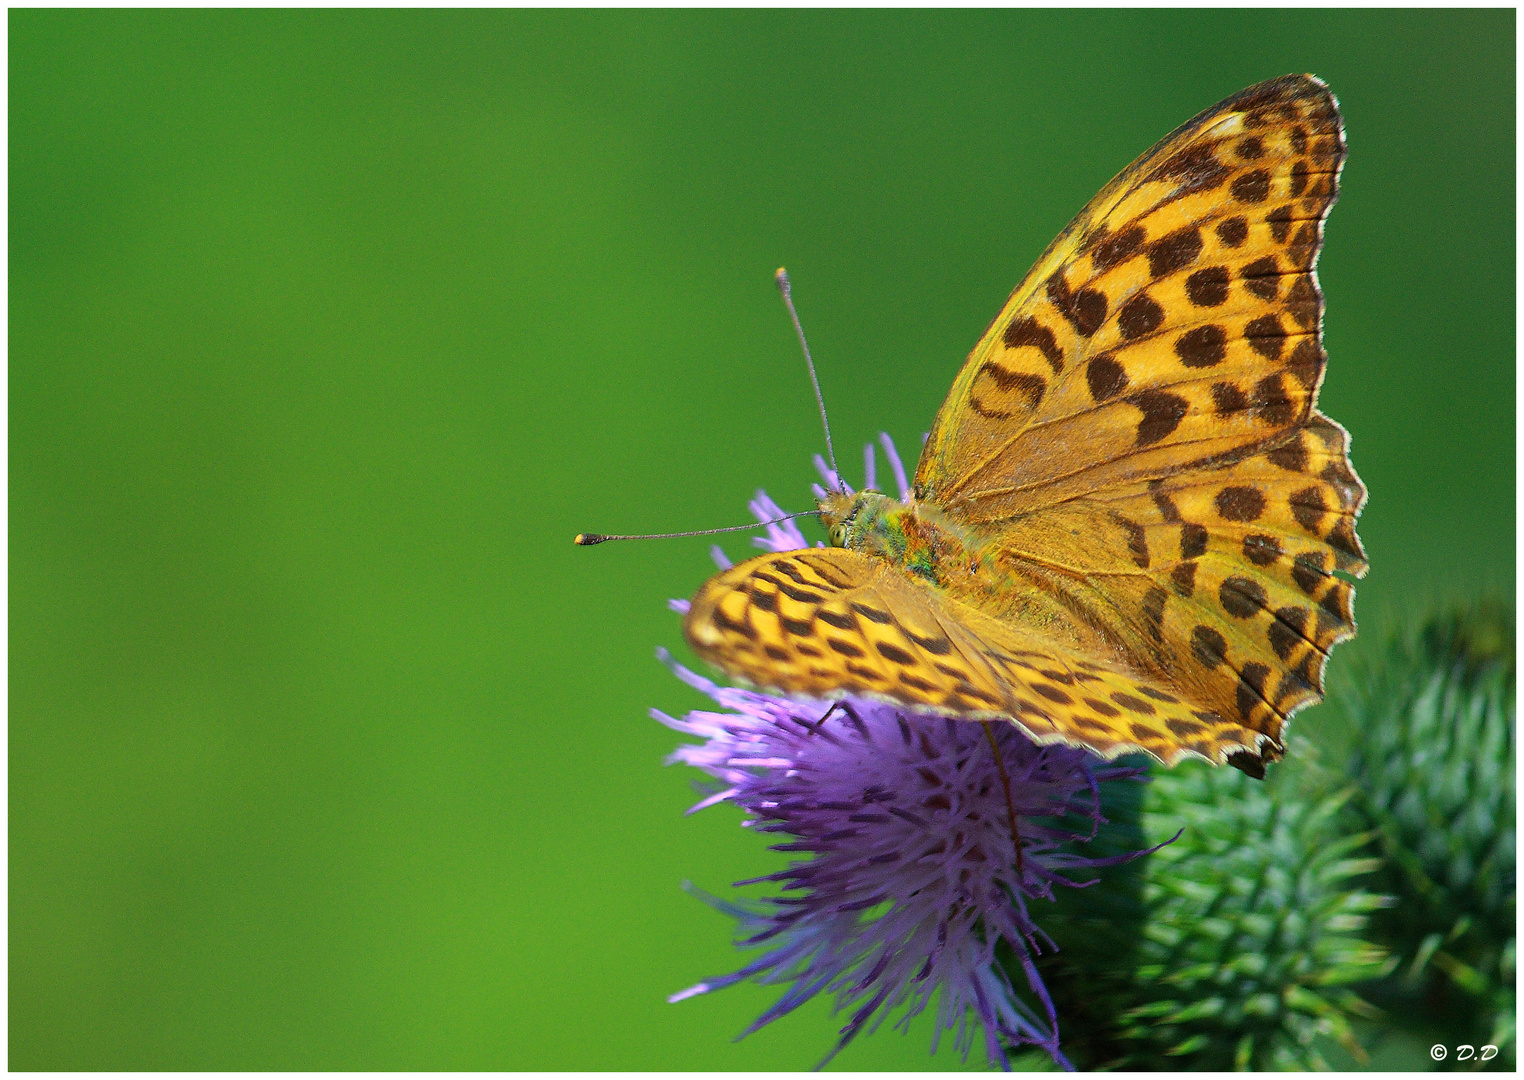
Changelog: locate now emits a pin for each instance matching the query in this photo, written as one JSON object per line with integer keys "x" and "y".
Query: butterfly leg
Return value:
{"x": 817, "y": 724}
{"x": 1005, "y": 782}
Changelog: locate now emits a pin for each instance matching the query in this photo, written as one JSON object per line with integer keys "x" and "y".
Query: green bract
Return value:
{"x": 1237, "y": 945}
{"x": 1434, "y": 762}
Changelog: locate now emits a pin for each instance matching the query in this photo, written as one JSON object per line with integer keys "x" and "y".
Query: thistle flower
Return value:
{"x": 912, "y": 885}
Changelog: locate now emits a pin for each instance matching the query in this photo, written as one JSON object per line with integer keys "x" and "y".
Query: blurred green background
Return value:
{"x": 329, "y": 329}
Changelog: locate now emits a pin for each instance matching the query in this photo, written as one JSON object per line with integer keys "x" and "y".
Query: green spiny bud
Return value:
{"x": 1434, "y": 763}
{"x": 1233, "y": 947}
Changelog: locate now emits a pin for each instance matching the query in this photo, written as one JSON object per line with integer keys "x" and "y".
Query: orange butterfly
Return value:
{"x": 1125, "y": 523}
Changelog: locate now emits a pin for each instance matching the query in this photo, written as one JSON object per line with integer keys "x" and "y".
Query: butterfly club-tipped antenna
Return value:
{"x": 589, "y": 539}
{"x": 786, "y": 288}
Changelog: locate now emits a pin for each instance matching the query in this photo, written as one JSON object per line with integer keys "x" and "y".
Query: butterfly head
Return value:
{"x": 859, "y": 520}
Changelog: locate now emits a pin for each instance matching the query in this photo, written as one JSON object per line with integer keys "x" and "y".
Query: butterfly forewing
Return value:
{"x": 1175, "y": 322}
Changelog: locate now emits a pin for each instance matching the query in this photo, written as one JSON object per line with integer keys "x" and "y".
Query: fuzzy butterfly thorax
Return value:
{"x": 915, "y": 537}
{"x": 1129, "y": 519}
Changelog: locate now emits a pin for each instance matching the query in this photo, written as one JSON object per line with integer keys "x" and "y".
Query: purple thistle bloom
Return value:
{"x": 911, "y": 885}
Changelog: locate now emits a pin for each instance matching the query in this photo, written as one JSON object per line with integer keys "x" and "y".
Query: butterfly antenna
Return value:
{"x": 589, "y": 539}
{"x": 781, "y": 277}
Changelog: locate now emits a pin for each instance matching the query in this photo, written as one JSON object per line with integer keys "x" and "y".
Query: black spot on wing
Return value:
{"x": 1247, "y": 762}
{"x": 1233, "y": 232}
{"x": 1162, "y": 413}
{"x": 724, "y": 622}
{"x": 1106, "y": 378}
{"x": 1204, "y": 346}
{"x": 1308, "y": 572}
{"x": 1137, "y": 539}
{"x": 1209, "y": 646}
{"x": 804, "y": 596}
{"x": 1174, "y": 251}
{"x": 1139, "y": 316}
{"x": 1153, "y": 612}
{"x": 1117, "y": 247}
{"x": 1241, "y": 597}
{"x": 1266, "y": 336}
{"x": 872, "y": 614}
{"x": 783, "y": 566}
{"x": 1028, "y": 332}
{"x": 1183, "y": 576}
{"x": 1166, "y": 505}
{"x": 1195, "y": 168}
{"x": 937, "y": 646}
{"x": 1261, "y": 550}
{"x": 1085, "y": 310}
{"x": 1251, "y": 187}
{"x": 1030, "y": 386}
{"x": 1240, "y": 503}
{"x": 1193, "y": 540}
{"x": 1262, "y": 277}
{"x": 1209, "y": 287}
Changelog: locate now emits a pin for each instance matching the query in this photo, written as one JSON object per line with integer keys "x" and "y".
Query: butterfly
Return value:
{"x": 1129, "y": 519}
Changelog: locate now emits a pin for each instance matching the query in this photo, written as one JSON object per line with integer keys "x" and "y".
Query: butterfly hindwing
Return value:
{"x": 831, "y": 623}
{"x": 1219, "y": 581}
